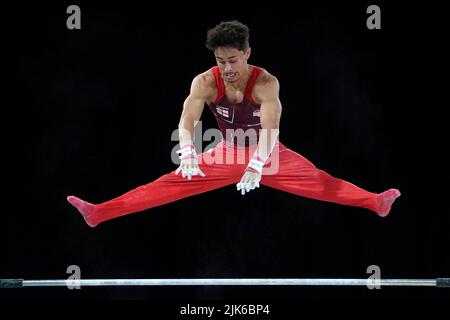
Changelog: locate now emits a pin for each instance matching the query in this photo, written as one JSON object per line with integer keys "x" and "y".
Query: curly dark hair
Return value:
{"x": 233, "y": 34}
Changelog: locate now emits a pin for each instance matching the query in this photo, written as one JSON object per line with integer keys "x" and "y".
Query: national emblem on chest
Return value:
{"x": 226, "y": 113}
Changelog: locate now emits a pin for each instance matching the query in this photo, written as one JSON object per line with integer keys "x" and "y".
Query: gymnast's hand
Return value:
{"x": 252, "y": 176}
{"x": 189, "y": 168}
{"x": 189, "y": 164}
{"x": 249, "y": 181}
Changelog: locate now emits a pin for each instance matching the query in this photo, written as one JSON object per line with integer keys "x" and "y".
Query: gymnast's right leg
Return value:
{"x": 168, "y": 188}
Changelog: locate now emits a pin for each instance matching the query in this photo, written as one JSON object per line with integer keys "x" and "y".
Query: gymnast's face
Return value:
{"x": 232, "y": 62}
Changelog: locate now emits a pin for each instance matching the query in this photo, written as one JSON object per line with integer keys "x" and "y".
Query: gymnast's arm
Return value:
{"x": 201, "y": 91}
{"x": 193, "y": 108}
{"x": 267, "y": 94}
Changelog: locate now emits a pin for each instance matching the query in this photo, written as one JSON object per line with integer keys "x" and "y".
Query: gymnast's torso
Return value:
{"x": 236, "y": 109}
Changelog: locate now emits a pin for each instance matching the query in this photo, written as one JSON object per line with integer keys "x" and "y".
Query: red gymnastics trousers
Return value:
{"x": 295, "y": 175}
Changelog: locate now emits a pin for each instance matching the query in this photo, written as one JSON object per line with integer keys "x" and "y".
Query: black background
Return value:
{"x": 90, "y": 112}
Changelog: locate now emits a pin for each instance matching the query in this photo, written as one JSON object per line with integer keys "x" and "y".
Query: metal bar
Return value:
{"x": 11, "y": 283}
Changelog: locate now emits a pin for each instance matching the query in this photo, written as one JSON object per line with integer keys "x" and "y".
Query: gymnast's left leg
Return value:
{"x": 299, "y": 176}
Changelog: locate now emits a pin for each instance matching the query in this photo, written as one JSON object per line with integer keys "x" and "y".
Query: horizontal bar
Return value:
{"x": 16, "y": 283}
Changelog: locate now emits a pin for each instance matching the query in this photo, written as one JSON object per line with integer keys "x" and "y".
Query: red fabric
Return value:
{"x": 248, "y": 89}
{"x": 251, "y": 82}
{"x": 296, "y": 175}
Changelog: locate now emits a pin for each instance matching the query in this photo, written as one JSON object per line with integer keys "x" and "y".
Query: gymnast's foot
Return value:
{"x": 385, "y": 201}
{"x": 86, "y": 209}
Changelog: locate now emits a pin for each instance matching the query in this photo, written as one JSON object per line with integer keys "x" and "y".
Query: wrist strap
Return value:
{"x": 187, "y": 152}
{"x": 256, "y": 164}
